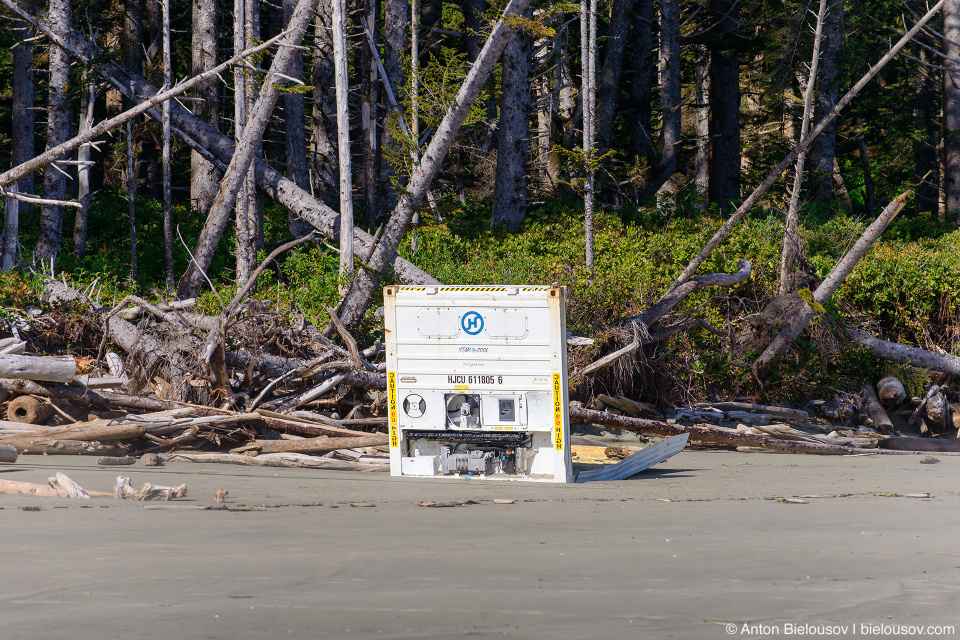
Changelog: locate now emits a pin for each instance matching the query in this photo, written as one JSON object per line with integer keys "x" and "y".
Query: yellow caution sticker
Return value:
{"x": 392, "y": 396}
{"x": 461, "y": 387}
{"x": 557, "y": 413}
{"x": 394, "y": 437}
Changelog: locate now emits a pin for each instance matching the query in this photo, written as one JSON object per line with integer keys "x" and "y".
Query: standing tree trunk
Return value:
{"x": 58, "y": 130}
{"x": 926, "y": 169}
{"x": 323, "y": 114}
{"x": 396, "y": 27}
{"x": 204, "y": 177}
{"x": 83, "y": 169}
{"x": 132, "y": 200}
{"x": 951, "y": 110}
{"x": 254, "y": 199}
{"x": 701, "y": 164}
{"x": 823, "y": 149}
{"x": 368, "y": 120}
{"x": 791, "y": 241}
{"x": 244, "y": 155}
{"x": 241, "y": 202}
{"x": 725, "y": 106}
{"x": 343, "y": 145}
{"x": 358, "y": 299}
{"x": 669, "y": 72}
{"x": 22, "y": 139}
{"x": 547, "y": 99}
{"x": 588, "y": 101}
{"x": 167, "y": 158}
{"x": 642, "y": 75}
{"x": 510, "y": 189}
{"x": 621, "y": 13}
{"x": 295, "y": 133}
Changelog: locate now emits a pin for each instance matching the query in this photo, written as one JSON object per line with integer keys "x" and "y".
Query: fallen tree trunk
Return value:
{"x": 291, "y": 424}
{"x": 796, "y": 324}
{"x": 105, "y": 433}
{"x": 88, "y": 396}
{"x": 274, "y": 460}
{"x": 46, "y": 369}
{"x": 311, "y": 445}
{"x": 642, "y": 322}
{"x": 706, "y": 434}
{"x": 920, "y": 358}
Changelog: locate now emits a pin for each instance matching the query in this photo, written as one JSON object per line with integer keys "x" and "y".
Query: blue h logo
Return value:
{"x": 472, "y": 323}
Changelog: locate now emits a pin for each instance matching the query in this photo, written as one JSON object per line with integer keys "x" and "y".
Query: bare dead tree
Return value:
{"x": 790, "y": 240}
{"x": 244, "y": 155}
{"x": 358, "y": 298}
{"x": 343, "y": 145}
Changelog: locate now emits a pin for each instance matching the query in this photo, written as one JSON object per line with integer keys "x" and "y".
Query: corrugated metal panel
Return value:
{"x": 640, "y": 461}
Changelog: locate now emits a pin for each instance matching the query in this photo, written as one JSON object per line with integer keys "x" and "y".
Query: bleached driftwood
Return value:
{"x": 311, "y": 445}
{"x": 122, "y": 489}
{"x": 59, "y": 486}
{"x": 72, "y": 488}
{"x": 780, "y": 413}
{"x": 45, "y": 369}
{"x": 642, "y": 336}
{"x": 274, "y": 460}
{"x": 13, "y": 346}
{"x": 938, "y": 409}
{"x": 49, "y": 446}
{"x": 116, "y": 366}
{"x": 159, "y": 492}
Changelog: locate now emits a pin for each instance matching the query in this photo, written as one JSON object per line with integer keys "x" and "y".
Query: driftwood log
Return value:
{"x": 47, "y": 369}
{"x": 90, "y": 396}
{"x": 104, "y": 433}
{"x": 8, "y": 453}
{"x": 49, "y": 446}
{"x": 891, "y": 391}
{"x": 28, "y": 410}
{"x": 780, "y": 413}
{"x": 274, "y": 460}
{"x": 875, "y": 410}
{"x": 709, "y": 435}
{"x": 311, "y": 445}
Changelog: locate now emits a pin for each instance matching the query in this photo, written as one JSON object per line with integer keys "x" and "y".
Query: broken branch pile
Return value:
{"x": 196, "y": 385}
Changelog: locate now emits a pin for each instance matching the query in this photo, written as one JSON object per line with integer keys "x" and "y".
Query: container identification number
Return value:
{"x": 474, "y": 379}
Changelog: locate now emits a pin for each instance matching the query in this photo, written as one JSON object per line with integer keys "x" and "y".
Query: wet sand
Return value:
{"x": 695, "y": 544}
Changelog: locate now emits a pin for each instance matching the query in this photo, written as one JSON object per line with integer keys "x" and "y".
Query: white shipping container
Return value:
{"x": 477, "y": 382}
